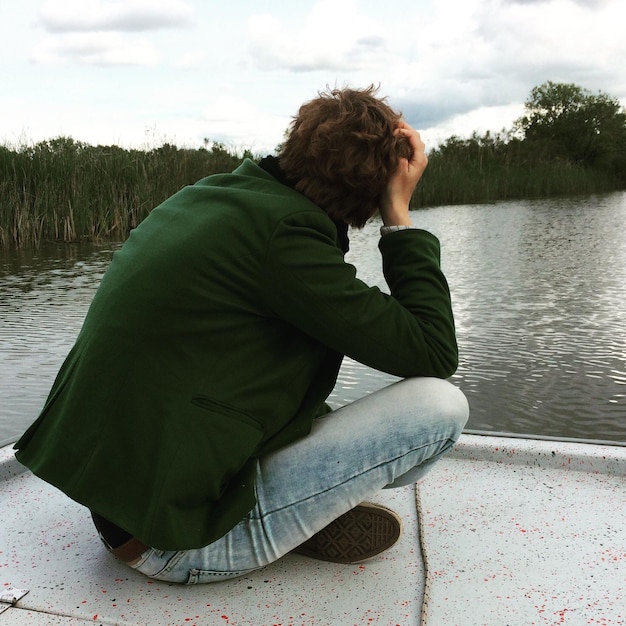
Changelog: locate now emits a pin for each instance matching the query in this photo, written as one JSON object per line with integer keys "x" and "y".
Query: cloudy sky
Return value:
{"x": 141, "y": 72}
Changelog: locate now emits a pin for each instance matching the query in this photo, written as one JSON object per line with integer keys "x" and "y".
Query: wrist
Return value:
{"x": 392, "y": 216}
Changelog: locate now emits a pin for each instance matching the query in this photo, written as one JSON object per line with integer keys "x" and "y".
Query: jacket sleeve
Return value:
{"x": 408, "y": 333}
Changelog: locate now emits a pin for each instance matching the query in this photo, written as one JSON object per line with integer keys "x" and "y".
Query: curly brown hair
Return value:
{"x": 341, "y": 151}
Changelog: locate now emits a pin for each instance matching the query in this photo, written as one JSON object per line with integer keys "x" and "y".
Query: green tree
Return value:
{"x": 569, "y": 122}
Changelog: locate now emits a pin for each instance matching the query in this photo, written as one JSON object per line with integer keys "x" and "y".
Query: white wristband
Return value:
{"x": 385, "y": 230}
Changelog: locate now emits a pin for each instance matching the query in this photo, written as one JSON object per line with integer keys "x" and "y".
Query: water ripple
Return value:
{"x": 538, "y": 291}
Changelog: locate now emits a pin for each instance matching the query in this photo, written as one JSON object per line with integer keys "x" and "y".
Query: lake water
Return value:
{"x": 539, "y": 293}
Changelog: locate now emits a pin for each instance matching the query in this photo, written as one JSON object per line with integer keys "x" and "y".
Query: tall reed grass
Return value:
{"x": 63, "y": 190}
{"x": 445, "y": 183}
{"x": 501, "y": 167}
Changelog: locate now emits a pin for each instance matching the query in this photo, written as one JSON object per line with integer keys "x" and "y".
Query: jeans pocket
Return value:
{"x": 163, "y": 566}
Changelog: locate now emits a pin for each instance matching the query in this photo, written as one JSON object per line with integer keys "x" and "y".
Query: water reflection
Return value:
{"x": 538, "y": 289}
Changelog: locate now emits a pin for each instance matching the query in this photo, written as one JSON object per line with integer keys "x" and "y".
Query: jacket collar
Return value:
{"x": 271, "y": 165}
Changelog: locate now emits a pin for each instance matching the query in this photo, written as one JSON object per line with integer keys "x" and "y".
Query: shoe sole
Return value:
{"x": 356, "y": 536}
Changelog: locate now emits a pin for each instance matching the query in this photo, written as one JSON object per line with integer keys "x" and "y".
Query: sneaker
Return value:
{"x": 360, "y": 534}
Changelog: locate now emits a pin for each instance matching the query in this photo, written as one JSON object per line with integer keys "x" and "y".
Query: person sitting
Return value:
{"x": 190, "y": 416}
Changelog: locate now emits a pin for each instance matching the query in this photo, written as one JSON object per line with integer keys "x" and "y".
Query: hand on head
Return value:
{"x": 394, "y": 204}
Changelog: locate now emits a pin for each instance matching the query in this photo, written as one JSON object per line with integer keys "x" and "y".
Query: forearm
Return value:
{"x": 412, "y": 270}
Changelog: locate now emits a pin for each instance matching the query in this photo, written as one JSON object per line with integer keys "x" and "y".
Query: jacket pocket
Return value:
{"x": 210, "y": 404}
{"x": 216, "y": 442}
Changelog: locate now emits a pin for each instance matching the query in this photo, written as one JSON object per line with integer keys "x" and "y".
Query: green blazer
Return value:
{"x": 215, "y": 337}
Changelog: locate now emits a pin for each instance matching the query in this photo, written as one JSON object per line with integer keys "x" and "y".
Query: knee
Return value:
{"x": 457, "y": 407}
{"x": 445, "y": 402}
{"x": 455, "y": 401}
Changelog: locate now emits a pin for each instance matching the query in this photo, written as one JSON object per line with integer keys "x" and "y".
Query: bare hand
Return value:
{"x": 394, "y": 202}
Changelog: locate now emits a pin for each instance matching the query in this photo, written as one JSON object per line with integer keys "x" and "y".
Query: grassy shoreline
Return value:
{"x": 67, "y": 191}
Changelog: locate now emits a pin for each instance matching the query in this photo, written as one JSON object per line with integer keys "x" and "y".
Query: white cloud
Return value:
{"x": 240, "y": 124}
{"x": 476, "y": 56}
{"x": 190, "y": 60}
{"x": 551, "y": 34}
{"x": 99, "y": 48}
{"x": 92, "y": 32}
{"x": 479, "y": 120}
{"x": 334, "y": 36}
{"x": 585, "y": 3}
{"x": 127, "y": 15}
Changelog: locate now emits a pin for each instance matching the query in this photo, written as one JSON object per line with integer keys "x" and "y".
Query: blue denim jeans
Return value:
{"x": 387, "y": 439}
